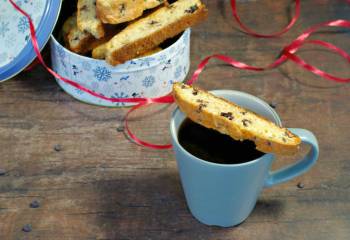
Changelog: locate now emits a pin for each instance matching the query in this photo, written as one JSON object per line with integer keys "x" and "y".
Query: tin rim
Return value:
{"x": 44, "y": 31}
{"x": 121, "y": 68}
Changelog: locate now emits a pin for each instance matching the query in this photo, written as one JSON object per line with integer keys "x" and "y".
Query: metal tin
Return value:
{"x": 150, "y": 76}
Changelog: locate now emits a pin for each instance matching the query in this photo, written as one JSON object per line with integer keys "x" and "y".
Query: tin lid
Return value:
{"x": 16, "y": 50}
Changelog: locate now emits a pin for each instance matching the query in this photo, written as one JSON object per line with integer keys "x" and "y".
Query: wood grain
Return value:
{"x": 101, "y": 186}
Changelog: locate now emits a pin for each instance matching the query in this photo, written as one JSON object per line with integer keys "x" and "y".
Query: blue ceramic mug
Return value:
{"x": 222, "y": 194}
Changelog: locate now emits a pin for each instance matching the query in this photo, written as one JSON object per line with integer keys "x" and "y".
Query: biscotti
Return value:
{"x": 119, "y": 11}
{"x": 99, "y": 52}
{"x": 148, "y": 4}
{"x": 149, "y": 32}
{"x": 239, "y": 123}
{"x": 87, "y": 19}
{"x": 150, "y": 52}
{"x": 77, "y": 40}
{"x": 68, "y": 25}
{"x": 82, "y": 42}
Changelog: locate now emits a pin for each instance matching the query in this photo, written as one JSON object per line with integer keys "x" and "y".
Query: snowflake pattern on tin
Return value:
{"x": 14, "y": 27}
{"x": 61, "y": 52}
{"x": 95, "y": 85}
{"x": 120, "y": 95}
{"x": 4, "y": 28}
{"x": 148, "y": 81}
{"x": 178, "y": 72}
{"x": 10, "y": 39}
{"x": 102, "y": 74}
{"x": 146, "y": 61}
{"x": 162, "y": 58}
{"x": 78, "y": 91}
{"x": 23, "y": 25}
{"x": 145, "y": 77}
{"x": 86, "y": 66}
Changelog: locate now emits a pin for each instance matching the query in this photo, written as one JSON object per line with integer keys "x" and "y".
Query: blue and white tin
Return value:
{"x": 16, "y": 50}
{"x": 150, "y": 76}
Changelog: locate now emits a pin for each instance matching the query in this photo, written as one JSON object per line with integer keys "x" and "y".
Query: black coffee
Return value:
{"x": 212, "y": 146}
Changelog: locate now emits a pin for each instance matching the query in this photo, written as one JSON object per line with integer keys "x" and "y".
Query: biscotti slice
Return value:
{"x": 67, "y": 27}
{"x": 83, "y": 42}
{"x": 77, "y": 40}
{"x": 148, "y": 4}
{"x": 239, "y": 123}
{"x": 150, "y": 52}
{"x": 119, "y": 11}
{"x": 99, "y": 52}
{"x": 87, "y": 19}
{"x": 149, "y": 32}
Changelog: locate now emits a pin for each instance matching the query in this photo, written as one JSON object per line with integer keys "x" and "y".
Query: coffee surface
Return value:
{"x": 212, "y": 146}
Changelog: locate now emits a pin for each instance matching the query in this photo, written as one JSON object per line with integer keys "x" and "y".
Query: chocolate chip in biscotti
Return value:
{"x": 192, "y": 9}
{"x": 152, "y": 23}
{"x": 288, "y": 134}
{"x": 227, "y": 115}
{"x": 122, "y": 8}
{"x": 246, "y": 122}
{"x": 195, "y": 92}
{"x": 83, "y": 8}
{"x": 200, "y": 107}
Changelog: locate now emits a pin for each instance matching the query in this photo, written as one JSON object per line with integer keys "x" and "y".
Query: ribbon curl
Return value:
{"x": 251, "y": 32}
{"x": 287, "y": 53}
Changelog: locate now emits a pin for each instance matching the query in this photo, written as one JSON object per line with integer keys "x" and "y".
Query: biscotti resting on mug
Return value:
{"x": 239, "y": 123}
{"x": 119, "y": 11}
{"x": 87, "y": 19}
{"x": 149, "y": 32}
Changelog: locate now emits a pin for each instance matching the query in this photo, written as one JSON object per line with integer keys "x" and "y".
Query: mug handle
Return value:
{"x": 300, "y": 167}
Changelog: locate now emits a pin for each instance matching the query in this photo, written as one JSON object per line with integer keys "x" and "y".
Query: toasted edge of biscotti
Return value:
{"x": 99, "y": 52}
{"x": 88, "y": 42}
{"x": 148, "y": 4}
{"x": 228, "y": 118}
{"x": 87, "y": 20}
{"x": 68, "y": 25}
{"x": 119, "y": 11}
{"x": 149, "y": 41}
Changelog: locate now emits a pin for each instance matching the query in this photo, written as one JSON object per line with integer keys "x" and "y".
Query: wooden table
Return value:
{"x": 93, "y": 183}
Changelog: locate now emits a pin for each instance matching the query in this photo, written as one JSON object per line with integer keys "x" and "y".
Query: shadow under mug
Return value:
{"x": 225, "y": 194}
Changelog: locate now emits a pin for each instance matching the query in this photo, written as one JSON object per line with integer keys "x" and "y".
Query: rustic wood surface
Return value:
{"x": 98, "y": 185}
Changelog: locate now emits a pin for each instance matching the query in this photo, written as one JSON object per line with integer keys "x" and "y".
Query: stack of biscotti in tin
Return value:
{"x": 120, "y": 30}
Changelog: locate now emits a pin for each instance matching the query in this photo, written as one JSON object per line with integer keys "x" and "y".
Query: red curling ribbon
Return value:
{"x": 288, "y": 53}
{"x": 140, "y": 101}
{"x": 277, "y": 34}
